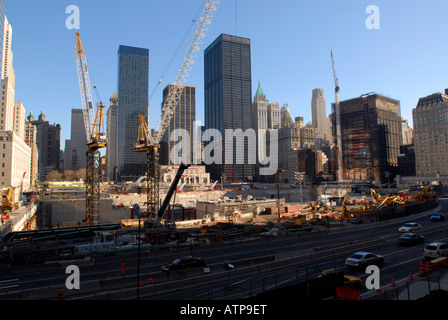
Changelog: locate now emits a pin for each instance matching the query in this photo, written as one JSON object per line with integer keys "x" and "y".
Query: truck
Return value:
{"x": 157, "y": 232}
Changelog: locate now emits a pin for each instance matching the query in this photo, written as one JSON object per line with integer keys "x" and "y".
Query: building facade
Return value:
{"x": 111, "y": 151}
{"x": 15, "y": 161}
{"x": 183, "y": 118}
{"x": 30, "y": 140}
{"x": 133, "y": 84}
{"x": 76, "y": 147}
{"x": 431, "y": 135}
{"x": 228, "y": 98}
{"x": 48, "y": 140}
{"x": 371, "y": 137}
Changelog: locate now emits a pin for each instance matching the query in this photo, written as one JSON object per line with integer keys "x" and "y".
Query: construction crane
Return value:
{"x": 96, "y": 138}
{"x": 338, "y": 121}
{"x": 150, "y": 143}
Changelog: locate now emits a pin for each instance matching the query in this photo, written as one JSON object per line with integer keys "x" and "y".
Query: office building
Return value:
{"x": 15, "y": 162}
{"x": 133, "y": 78}
{"x": 183, "y": 118}
{"x": 30, "y": 140}
{"x": 48, "y": 140}
{"x": 76, "y": 146}
{"x": 371, "y": 137}
{"x": 431, "y": 135}
{"x": 3, "y": 23}
{"x": 111, "y": 151}
{"x": 228, "y": 98}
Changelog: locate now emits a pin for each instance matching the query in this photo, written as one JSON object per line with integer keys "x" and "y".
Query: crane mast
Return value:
{"x": 96, "y": 139}
{"x": 338, "y": 122}
{"x": 84, "y": 85}
{"x": 150, "y": 144}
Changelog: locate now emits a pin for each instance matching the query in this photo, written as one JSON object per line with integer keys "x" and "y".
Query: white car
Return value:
{"x": 363, "y": 259}
{"x": 435, "y": 250}
{"x": 409, "y": 227}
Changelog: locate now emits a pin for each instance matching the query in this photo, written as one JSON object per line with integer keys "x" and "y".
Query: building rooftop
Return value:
{"x": 434, "y": 98}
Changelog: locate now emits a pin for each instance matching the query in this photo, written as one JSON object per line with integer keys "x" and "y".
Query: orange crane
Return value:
{"x": 96, "y": 138}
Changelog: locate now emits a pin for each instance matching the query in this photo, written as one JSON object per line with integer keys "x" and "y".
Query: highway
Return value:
{"x": 400, "y": 261}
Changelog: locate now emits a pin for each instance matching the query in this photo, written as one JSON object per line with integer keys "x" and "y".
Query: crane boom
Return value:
{"x": 338, "y": 121}
{"x": 176, "y": 90}
{"x": 84, "y": 86}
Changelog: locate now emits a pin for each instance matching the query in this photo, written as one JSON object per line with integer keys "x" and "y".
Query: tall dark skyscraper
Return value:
{"x": 228, "y": 96}
{"x": 133, "y": 78}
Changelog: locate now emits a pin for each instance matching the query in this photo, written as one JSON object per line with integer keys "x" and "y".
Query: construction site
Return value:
{"x": 75, "y": 219}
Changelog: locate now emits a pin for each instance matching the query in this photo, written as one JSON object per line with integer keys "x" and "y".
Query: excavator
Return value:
{"x": 157, "y": 232}
{"x": 6, "y": 204}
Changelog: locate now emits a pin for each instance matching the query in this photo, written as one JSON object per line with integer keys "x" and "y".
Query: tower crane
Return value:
{"x": 150, "y": 143}
{"x": 96, "y": 138}
{"x": 338, "y": 122}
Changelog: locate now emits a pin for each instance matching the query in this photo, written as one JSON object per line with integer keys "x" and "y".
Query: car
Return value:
{"x": 435, "y": 250}
{"x": 409, "y": 227}
{"x": 362, "y": 259}
{"x": 410, "y": 238}
{"x": 187, "y": 262}
{"x": 439, "y": 216}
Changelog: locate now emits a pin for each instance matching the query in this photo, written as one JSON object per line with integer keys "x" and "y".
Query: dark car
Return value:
{"x": 439, "y": 216}
{"x": 185, "y": 263}
{"x": 410, "y": 238}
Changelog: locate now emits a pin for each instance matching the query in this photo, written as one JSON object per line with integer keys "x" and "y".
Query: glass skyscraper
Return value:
{"x": 228, "y": 97}
{"x": 133, "y": 77}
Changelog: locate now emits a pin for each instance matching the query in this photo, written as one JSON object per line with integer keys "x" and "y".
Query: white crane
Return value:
{"x": 176, "y": 90}
{"x": 150, "y": 143}
{"x": 338, "y": 122}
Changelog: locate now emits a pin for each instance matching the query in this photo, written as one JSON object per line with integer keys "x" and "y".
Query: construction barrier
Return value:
{"x": 149, "y": 281}
{"x": 437, "y": 263}
{"x": 428, "y": 267}
{"x": 421, "y": 269}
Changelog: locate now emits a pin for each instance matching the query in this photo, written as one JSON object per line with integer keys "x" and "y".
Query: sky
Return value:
{"x": 404, "y": 58}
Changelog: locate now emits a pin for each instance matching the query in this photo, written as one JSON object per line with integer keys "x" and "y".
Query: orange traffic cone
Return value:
{"x": 410, "y": 276}
{"x": 393, "y": 282}
{"x": 421, "y": 269}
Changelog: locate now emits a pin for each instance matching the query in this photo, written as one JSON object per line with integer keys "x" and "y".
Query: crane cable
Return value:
{"x": 193, "y": 21}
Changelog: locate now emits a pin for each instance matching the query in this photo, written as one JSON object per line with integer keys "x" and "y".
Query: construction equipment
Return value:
{"x": 338, "y": 121}
{"x": 96, "y": 138}
{"x": 150, "y": 143}
{"x": 159, "y": 233}
{"x": 6, "y": 203}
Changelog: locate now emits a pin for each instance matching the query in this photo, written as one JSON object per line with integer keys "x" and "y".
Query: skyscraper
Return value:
{"x": 111, "y": 152}
{"x": 76, "y": 147}
{"x": 133, "y": 78}
{"x": 48, "y": 142}
{"x": 2, "y": 27}
{"x": 228, "y": 96}
{"x": 320, "y": 121}
{"x": 183, "y": 118}
{"x": 371, "y": 137}
{"x": 431, "y": 135}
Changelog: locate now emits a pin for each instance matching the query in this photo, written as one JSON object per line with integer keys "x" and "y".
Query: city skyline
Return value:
{"x": 290, "y": 55}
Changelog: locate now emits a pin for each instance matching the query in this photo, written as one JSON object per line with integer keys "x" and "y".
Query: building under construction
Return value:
{"x": 371, "y": 137}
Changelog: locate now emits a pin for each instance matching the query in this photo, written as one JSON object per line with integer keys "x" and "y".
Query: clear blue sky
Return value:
{"x": 291, "y": 41}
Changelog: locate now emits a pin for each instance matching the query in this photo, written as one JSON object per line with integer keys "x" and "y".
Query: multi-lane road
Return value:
{"x": 337, "y": 244}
